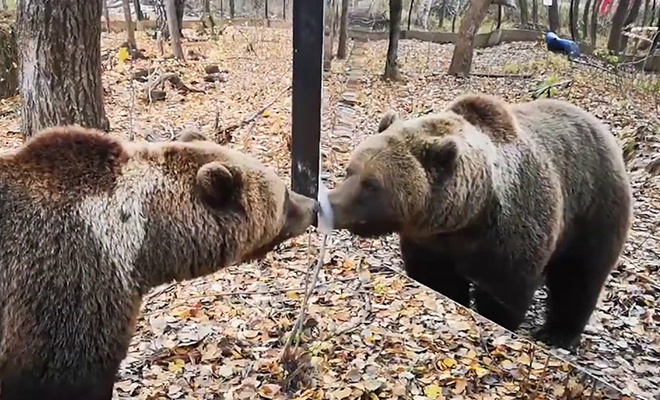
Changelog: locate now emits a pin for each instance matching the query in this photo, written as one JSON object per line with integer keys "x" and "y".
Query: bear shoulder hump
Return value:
{"x": 489, "y": 114}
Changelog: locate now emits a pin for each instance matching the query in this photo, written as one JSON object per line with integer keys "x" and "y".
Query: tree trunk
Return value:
{"x": 617, "y": 26}
{"x": 594, "y": 22}
{"x": 535, "y": 12}
{"x": 328, "y": 37}
{"x": 343, "y": 31}
{"x": 412, "y": 2}
{"x": 266, "y": 11}
{"x": 173, "y": 25}
{"x": 391, "y": 63}
{"x": 553, "y": 17}
{"x": 461, "y": 61}
{"x": 8, "y": 60}
{"x": 573, "y": 13}
{"x": 106, "y": 15}
{"x": 138, "y": 10}
{"x": 284, "y": 10}
{"x": 630, "y": 19}
{"x": 647, "y": 3}
{"x": 130, "y": 28}
{"x": 441, "y": 17}
{"x": 60, "y": 64}
{"x": 585, "y": 19}
{"x": 3, "y": 5}
{"x": 162, "y": 16}
{"x": 524, "y": 14}
{"x": 232, "y": 9}
{"x": 499, "y": 16}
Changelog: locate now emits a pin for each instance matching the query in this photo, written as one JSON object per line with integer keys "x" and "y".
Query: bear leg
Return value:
{"x": 25, "y": 386}
{"x": 436, "y": 271}
{"x": 574, "y": 279}
{"x": 507, "y": 317}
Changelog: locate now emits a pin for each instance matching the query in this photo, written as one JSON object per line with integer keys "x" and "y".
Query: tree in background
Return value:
{"x": 630, "y": 20}
{"x": 60, "y": 64}
{"x": 594, "y": 22}
{"x": 391, "y": 63}
{"x": 174, "y": 27}
{"x": 162, "y": 16}
{"x": 138, "y": 10}
{"x": 130, "y": 28}
{"x": 524, "y": 13}
{"x": 343, "y": 31}
{"x": 585, "y": 19}
{"x": 461, "y": 61}
{"x": 535, "y": 12}
{"x": 619, "y": 17}
{"x": 553, "y": 17}
{"x": 573, "y": 13}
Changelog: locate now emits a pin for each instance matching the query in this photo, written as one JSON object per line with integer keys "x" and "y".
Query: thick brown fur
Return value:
{"x": 498, "y": 195}
{"x": 89, "y": 223}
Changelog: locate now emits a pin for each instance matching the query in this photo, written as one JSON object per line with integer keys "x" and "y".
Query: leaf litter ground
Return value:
{"x": 371, "y": 332}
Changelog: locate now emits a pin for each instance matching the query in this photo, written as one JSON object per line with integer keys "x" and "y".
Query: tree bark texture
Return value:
{"x": 630, "y": 19}
{"x": 343, "y": 31}
{"x": 130, "y": 28}
{"x": 574, "y": 13}
{"x": 461, "y": 61}
{"x": 60, "y": 64}
{"x": 535, "y": 12}
{"x": 175, "y": 29}
{"x": 553, "y": 17}
{"x": 284, "y": 10}
{"x": 8, "y": 61}
{"x": 524, "y": 13}
{"x": 645, "y": 16}
{"x": 594, "y": 22}
{"x": 585, "y": 20}
{"x": 138, "y": 10}
{"x": 617, "y": 25}
{"x": 391, "y": 62}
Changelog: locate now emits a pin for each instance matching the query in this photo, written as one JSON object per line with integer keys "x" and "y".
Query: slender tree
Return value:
{"x": 106, "y": 15}
{"x": 138, "y": 10}
{"x": 284, "y": 10}
{"x": 573, "y": 19}
{"x": 3, "y": 5}
{"x": 412, "y": 3}
{"x": 343, "y": 31}
{"x": 60, "y": 64}
{"x": 619, "y": 17}
{"x": 173, "y": 25}
{"x": 461, "y": 61}
{"x": 594, "y": 22}
{"x": 130, "y": 28}
{"x": 391, "y": 63}
{"x": 441, "y": 13}
{"x": 535, "y": 12}
{"x": 630, "y": 20}
{"x": 647, "y": 4}
{"x": 524, "y": 13}
{"x": 266, "y": 12}
{"x": 553, "y": 17}
{"x": 585, "y": 19}
{"x": 232, "y": 9}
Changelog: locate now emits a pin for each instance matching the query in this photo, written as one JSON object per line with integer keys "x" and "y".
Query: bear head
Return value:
{"x": 426, "y": 175}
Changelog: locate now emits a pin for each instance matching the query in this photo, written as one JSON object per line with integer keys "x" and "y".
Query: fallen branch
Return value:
{"x": 227, "y": 131}
{"x": 539, "y": 92}
{"x": 512, "y": 76}
{"x": 174, "y": 79}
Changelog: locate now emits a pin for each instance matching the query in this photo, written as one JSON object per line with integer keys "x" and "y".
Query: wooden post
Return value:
{"x": 308, "y": 24}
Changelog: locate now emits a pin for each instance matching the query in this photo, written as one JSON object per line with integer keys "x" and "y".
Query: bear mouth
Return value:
{"x": 371, "y": 230}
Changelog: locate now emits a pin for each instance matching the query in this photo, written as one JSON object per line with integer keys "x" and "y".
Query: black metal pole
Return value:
{"x": 308, "y": 24}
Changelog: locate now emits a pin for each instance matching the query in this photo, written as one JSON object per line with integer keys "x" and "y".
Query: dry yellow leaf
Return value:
{"x": 449, "y": 362}
{"x": 432, "y": 391}
{"x": 176, "y": 365}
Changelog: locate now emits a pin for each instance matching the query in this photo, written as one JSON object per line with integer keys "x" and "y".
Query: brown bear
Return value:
{"x": 89, "y": 223}
{"x": 501, "y": 196}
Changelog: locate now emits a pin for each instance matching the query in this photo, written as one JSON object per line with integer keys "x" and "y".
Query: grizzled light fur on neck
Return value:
{"x": 89, "y": 223}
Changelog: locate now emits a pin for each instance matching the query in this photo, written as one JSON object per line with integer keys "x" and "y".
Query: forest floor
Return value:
{"x": 372, "y": 333}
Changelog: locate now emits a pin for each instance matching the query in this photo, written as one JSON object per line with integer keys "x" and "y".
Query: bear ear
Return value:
{"x": 440, "y": 153}
{"x": 490, "y": 114}
{"x": 387, "y": 119}
{"x": 216, "y": 183}
{"x": 190, "y": 135}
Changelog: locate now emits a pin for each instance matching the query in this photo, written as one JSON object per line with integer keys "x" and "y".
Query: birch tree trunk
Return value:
{"x": 60, "y": 64}
{"x": 173, "y": 25}
{"x": 391, "y": 63}
{"x": 130, "y": 28}
{"x": 461, "y": 61}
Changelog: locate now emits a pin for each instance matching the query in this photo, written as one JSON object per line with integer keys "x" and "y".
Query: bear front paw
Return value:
{"x": 553, "y": 338}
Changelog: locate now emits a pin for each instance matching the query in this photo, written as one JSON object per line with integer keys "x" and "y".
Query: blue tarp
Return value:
{"x": 557, "y": 44}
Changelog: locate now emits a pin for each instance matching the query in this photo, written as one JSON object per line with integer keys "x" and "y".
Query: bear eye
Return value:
{"x": 370, "y": 184}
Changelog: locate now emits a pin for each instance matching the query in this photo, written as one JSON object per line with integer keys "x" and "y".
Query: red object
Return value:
{"x": 605, "y": 7}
